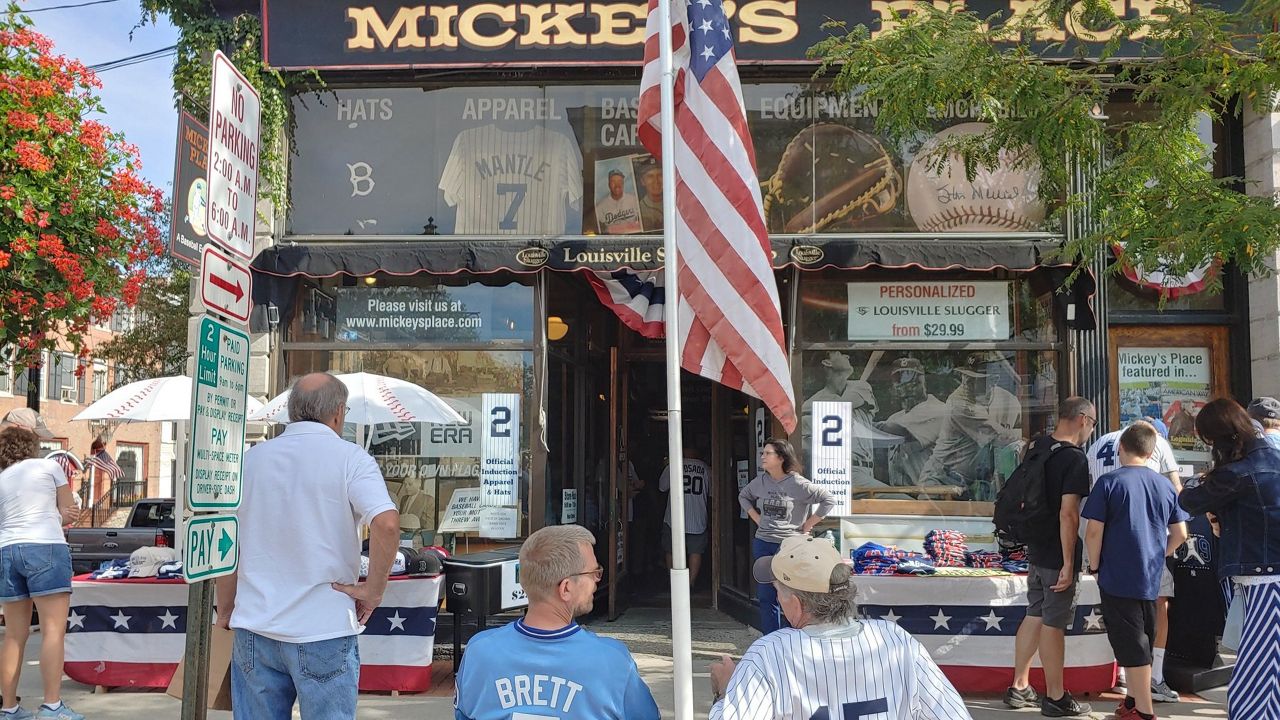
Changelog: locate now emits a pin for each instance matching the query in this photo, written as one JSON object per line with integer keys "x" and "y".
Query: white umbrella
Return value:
{"x": 375, "y": 400}
{"x": 164, "y": 399}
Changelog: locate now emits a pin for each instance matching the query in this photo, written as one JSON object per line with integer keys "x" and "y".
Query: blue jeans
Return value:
{"x": 267, "y": 676}
{"x": 30, "y": 570}
{"x": 770, "y": 614}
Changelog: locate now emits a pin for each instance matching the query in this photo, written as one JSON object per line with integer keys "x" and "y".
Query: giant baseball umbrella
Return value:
{"x": 375, "y": 400}
{"x": 163, "y": 399}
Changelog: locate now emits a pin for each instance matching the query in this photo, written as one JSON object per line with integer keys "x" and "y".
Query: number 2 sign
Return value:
{"x": 833, "y": 450}
{"x": 500, "y": 449}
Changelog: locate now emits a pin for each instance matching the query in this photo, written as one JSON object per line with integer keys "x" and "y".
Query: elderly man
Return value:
{"x": 293, "y": 602}
{"x": 544, "y": 665}
{"x": 881, "y": 671}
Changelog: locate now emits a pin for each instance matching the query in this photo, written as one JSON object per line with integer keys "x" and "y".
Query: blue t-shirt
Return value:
{"x": 1272, "y": 439}
{"x": 517, "y": 671}
{"x": 1137, "y": 505}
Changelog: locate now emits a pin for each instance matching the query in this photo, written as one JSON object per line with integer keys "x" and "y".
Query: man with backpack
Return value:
{"x": 1040, "y": 506}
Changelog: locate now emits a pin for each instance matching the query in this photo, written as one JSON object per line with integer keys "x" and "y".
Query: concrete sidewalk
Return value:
{"x": 646, "y": 631}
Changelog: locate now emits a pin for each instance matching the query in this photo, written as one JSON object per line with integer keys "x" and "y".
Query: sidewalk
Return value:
{"x": 646, "y": 631}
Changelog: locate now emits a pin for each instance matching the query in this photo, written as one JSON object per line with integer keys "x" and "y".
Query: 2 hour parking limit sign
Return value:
{"x": 234, "y": 122}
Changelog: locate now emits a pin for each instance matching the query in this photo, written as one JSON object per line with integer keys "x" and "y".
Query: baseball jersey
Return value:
{"x": 697, "y": 484}
{"x": 512, "y": 182}
{"x": 865, "y": 670}
{"x": 617, "y": 216}
{"x": 1104, "y": 456}
{"x": 517, "y": 672}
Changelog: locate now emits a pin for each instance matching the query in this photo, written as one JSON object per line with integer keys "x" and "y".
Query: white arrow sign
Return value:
{"x": 224, "y": 285}
{"x": 209, "y": 547}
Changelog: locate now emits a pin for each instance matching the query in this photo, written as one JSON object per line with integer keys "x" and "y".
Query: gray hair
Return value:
{"x": 317, "y": 397}
{"x": 838, "y": 606}
{"x": 551, "y": 555}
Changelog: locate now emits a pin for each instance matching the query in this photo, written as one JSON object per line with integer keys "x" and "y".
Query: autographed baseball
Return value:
{"x": 1001, "y": 199}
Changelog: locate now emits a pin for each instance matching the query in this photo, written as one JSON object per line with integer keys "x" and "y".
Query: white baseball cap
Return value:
{"x": 805, "y": 563}
{"x": 146, "y": 561}
{"x": 29, "y": 419}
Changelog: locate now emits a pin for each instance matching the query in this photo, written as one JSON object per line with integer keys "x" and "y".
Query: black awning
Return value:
{"x": 277, "y": 269}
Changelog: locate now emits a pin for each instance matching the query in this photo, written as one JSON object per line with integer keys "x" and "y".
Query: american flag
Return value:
{"x": 105, "y": 463}
{"x": 69, "y": 463}
{"x": 730, "y": 316}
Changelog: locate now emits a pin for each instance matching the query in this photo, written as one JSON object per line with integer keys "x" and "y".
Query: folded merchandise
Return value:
{"x": 915, "y": 566}
{"x": 111, "y": 570}
{"x": 875, "y": 559}
{"x": 1015, "y": 566}
{"x": 170, "y": 571}
{"x": 983, "y": 559}
{"x": 946, "y": 547}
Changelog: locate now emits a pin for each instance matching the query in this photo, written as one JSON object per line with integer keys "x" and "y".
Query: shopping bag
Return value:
{"x": 220, "y": 644}
{"x": 1235, "y": 621}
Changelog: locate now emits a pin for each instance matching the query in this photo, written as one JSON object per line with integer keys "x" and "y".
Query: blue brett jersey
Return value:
{"x": 521, "y": 673}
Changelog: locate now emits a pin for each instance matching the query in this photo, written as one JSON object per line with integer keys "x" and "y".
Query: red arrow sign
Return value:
{"x": 224, "y": 285}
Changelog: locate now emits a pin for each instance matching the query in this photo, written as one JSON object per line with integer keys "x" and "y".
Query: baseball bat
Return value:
{"x": 871, "y": 364}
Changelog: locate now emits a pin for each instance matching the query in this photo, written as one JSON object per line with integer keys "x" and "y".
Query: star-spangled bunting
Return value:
{"x": 730, "y": 316}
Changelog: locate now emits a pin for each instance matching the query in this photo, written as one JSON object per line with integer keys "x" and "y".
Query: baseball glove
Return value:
{"x": 830, "y": 176}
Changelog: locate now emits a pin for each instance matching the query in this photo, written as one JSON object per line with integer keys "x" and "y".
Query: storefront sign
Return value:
{"x": 190, "y": 190}
{"x": 410, "y": 314}
{"x": 929, "y": 311}
{"x": 1169, "y": 383}
{"x": 234, "y": 118}
{"x": 512, "y": 592}
{"x": 499, "y": 522}
{"x": 396, "y": 33}
{"x": 218, "y": 401}
{"x": 500, "y": 449}
{"x": 568, "y": 507}
{"x": 463, "y": 513}
{"x": 833, "y": 450}
{"x": 744, "y": 478}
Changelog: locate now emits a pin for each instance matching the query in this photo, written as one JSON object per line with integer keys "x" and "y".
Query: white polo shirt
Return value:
{"x": 306, "y": 493}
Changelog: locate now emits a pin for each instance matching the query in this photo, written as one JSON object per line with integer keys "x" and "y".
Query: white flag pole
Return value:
{"x": 681, "y": 624}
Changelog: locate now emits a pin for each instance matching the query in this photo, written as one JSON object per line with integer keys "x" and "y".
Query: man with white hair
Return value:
{"x": 544, "y": 664}
{"x": 789, "y": 674}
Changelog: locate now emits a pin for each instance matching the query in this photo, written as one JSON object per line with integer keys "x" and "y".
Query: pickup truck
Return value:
{"x": 150, "y": 523}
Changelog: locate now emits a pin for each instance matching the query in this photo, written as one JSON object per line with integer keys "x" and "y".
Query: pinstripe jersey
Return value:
{"x": 867, "y": 670}
{"x": 1104, "y": 456}
{"x": 512, "y": 182}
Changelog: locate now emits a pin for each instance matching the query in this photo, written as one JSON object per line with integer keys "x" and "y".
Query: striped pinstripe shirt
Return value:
{"x": 865, "y": 670}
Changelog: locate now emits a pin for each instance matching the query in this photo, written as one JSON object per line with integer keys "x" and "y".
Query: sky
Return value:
{"x": 138, "y": 98}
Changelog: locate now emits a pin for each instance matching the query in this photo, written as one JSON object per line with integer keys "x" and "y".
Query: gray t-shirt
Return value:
{"x": 783, "y": 504}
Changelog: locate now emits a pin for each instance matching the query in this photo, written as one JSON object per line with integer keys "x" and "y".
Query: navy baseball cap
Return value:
{"x": 1264, "y": 408}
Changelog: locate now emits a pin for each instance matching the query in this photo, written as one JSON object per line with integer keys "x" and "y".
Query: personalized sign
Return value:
{"x": 928, "y": 311}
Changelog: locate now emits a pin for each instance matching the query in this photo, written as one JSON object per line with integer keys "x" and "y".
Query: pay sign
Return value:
{"x": 234, "y": 123}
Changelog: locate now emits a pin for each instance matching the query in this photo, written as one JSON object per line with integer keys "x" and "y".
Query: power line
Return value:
{"x": 66, "y": 7}
{"x": 134, "y": 59}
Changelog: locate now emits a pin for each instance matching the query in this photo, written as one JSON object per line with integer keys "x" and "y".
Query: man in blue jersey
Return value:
{"x": 543, "y": 665}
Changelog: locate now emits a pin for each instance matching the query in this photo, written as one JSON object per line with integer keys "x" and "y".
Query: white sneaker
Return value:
{"x": 1161, "y": 692}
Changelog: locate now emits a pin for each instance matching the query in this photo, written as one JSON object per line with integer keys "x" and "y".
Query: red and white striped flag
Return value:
{"x": 730, "y": 316}
{"x": 107, "y": 464}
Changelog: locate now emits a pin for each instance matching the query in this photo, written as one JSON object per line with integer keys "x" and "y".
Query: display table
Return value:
{"x": 131, "y": 633}
{"x": 968, "y": 625}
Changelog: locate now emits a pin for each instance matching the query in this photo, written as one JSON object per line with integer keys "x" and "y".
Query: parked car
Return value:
{"x": 150, "y": 523}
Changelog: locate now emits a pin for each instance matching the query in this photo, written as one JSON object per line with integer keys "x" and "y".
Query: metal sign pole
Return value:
{"x": 195, "y": 679}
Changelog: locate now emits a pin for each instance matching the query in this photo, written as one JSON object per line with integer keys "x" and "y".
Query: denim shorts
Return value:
{"x": 30, "y": 570}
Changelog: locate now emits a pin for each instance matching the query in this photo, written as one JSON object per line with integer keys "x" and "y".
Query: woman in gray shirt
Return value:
{"x": 778, "y": 501}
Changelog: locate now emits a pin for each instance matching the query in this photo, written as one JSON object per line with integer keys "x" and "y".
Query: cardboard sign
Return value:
{"x": 463, "y": 513}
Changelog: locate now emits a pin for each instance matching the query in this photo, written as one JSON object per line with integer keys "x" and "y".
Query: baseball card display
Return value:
{"x": 618, "y": 209}
{"x": 510, "y": 182}
{"x": 1005, "y": 198}
{"x": 649, "y": 173}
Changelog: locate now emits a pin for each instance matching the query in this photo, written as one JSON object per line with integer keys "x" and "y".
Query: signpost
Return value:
{"x": 234, "y": 117}
{"x": 224, "y": 285}
{"x": 208, "y": 542}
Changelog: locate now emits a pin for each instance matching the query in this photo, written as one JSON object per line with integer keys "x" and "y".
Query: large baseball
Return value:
{"x": 1001, "y": 199}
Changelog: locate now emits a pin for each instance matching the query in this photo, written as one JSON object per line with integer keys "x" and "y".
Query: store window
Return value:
{"x": 467, "y": 342}
{"x": 130, "y": 456}
{"x": 566, "y": 160}
{"x": 946, "y": 381}
{"x": 99, "y": 380}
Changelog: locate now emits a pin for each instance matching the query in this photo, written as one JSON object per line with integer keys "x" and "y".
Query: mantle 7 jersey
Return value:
{"x": 512, "y": 183}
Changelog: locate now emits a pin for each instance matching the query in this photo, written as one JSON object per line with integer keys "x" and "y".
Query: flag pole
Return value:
{"x": 681, "y": 624}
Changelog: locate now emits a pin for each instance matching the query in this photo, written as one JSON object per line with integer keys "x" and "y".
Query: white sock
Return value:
{"x": 13, "y": 709}
{"x": 1119, "y": 675}
{"x": 53, "y": 706}
{"x": 1157, "y": 665}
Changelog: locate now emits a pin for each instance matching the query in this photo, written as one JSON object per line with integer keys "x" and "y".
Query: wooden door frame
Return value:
{"x": 1215, "y": 337}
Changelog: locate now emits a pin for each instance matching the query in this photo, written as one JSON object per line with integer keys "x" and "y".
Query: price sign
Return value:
{"x": 234, "y": 124}
{"x": 929, "y": 311}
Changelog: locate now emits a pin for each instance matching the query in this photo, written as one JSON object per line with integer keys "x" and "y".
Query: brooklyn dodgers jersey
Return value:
{"x": 870, "y": 670}
{"x": 506, "y": 182}
{"x": 1104, "y": 456}
{"x": 517, "y": 672}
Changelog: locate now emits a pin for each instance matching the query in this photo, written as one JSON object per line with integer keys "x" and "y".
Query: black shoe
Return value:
{"x": 1024, "y": 698}
{"x": 1065, "y": 706}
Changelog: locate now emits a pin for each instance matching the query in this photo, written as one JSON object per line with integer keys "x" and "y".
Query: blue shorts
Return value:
{"x": 30, "y": 570}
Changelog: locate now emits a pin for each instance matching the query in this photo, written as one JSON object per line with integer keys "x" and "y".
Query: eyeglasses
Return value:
{"x": 1090, "y": 418}
{"x": 767, "y": 452}
{"x": 597, "y": 573}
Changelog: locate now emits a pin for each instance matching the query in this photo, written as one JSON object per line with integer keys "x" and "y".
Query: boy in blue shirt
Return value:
{"x": 544, "y": 665}
{"x": 1134, "y": 522}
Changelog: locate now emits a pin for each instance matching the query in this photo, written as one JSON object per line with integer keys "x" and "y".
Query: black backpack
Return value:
{"x": 1023, "y": 511}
